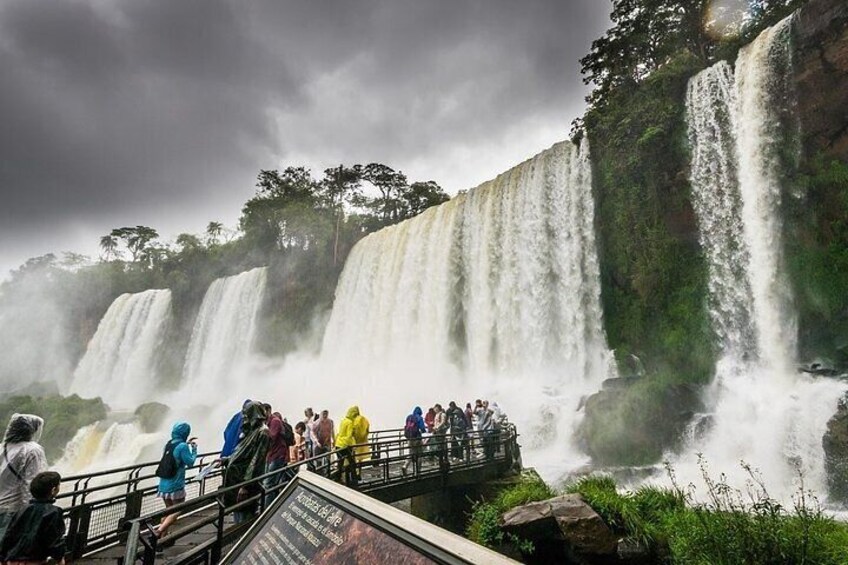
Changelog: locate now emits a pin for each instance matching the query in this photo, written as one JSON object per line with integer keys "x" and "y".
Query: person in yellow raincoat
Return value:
{"x": 345, "y": 439}
{"x": 361, "y": 427}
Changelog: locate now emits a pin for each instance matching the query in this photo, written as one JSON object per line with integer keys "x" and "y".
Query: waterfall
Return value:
{"x": 495, "y": 291}
{"x": 120, "y": 362}
{"x": 764, "y": 412}
{"x": 225, "y": 330}
{"x": 104, "y": 445}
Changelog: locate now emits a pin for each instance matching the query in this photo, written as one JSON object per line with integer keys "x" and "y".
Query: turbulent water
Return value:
{"x": 120, "y": 363}
{"x": 225, "y": 330}
{"x": 497, "y": 291}
{"x": 103, "y": 446}
{"x": 763, "y": 412}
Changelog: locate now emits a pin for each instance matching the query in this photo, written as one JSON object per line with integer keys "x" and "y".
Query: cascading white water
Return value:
{"x": 495, "y": 292}
{"x": 106, "y": 446}
{"x": 120, "y": 362}
{"x": 764, "y": 412}
{"x": 225, "y": 330}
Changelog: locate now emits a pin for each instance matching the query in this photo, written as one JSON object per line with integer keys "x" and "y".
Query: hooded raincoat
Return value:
{"x": 361, "y": 427}
{"x": 22, "y": 459}
{"x": 184, "y": 455}
{"x": 232, "y": 433}
{"x": 248, "y": 460}
{"x": 345, "y": 436}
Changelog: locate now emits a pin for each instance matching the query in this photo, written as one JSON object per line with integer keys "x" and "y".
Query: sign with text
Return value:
{"x": 306, "y": 527}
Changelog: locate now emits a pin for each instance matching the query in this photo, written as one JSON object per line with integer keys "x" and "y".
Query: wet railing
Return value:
{"x": 119, "y": 506}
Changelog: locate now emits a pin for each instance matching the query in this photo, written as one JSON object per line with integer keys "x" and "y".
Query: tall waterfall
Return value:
{"x": 764, "y": 413}
{"x": 120, "y": 362}
{"x": 225, "y": 330}
{"x": 496, "y": 291}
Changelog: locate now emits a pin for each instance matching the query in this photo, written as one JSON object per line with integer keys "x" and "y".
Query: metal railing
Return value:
{"x": 123, "y": 511}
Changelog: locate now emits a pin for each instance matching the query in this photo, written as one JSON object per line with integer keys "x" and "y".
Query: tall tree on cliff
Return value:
{"x": 647, "y": 34}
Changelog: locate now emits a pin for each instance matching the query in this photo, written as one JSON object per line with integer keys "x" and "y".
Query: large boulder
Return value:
{"x": 566, "y": 519}
{"x": 835, "y": 443}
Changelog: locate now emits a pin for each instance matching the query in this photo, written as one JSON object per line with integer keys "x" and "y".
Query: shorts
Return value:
{"x": 177, "y": 496}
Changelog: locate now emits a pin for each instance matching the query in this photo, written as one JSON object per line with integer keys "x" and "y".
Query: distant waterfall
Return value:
{"x": 499, "y": 286}
{"x": 119, "y": 364}
{"x": 105, "y": 445}
{"x": 225, "y": 329}
{"x": 764, "y": 413}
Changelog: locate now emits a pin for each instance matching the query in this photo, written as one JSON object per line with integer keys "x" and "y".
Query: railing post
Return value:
{"x": 215, "y": 556}
{"x": 133, "y": 511}
{"x": 78, "y": 530}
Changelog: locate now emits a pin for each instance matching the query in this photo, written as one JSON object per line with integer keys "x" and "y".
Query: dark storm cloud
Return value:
{"x": 161, "y": 112}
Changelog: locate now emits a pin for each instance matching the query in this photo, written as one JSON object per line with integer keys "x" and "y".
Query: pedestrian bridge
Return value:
{"x": 110, "y": 514}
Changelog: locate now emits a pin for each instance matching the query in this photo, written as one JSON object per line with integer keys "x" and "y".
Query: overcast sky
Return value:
{"x": 125, "y": 112}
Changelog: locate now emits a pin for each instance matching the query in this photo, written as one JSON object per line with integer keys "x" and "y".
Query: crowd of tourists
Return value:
{"x": 258, "y": 441}
{"x": 469, "y": 432}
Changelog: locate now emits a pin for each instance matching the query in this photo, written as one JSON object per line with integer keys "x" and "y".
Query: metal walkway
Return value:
{"x": 111, "y": 514}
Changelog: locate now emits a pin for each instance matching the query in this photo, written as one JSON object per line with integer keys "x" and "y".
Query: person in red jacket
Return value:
{"x": 278, "y": 455}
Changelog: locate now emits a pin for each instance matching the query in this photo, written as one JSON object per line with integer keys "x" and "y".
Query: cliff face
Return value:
{"x": 821, "y": 63}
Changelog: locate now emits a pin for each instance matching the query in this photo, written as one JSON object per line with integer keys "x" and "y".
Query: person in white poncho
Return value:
{"x": 22, "y": 459}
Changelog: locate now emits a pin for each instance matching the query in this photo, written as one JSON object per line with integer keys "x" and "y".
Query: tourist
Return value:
{"x": 23, "y": 458}
{"x": 412, "y": 430}
{"x": 440, "y": 429}
{"x": 458, "y": 429}
{"x": 297, "y": 452}
{"x": 278, "y": 455}
{"x": 344, "y": 444}
{"x": 361, "y": 428}
{"x": 485, "y": 421}
{"x": 232, "y": 433}
{"x": 180, "y": 453}
{"x": 248, "y": 461}
{"x": 429, "y": 419}
{"x": 469, "y": 416}
{"x": 310, "y": 422}
{"x": 324, "y": 433}
{"x": 37, "y": 533}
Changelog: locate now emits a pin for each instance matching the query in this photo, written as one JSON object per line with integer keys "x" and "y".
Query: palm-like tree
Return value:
{"x": 214, "y": 231}
{"x": 109, "y": 245}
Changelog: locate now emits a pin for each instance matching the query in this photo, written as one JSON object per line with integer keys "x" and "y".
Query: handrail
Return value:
{"x": 505, "y": 443}
{"x": 103, "y": 521}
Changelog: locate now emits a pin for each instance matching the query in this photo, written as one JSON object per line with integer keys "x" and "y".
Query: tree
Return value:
{"x": 340, "y": 185}
{"x": 135, "y": 239}
{"x": 391, "y": 185}
{"x": 109, "y": 245}
{"x": 421, "y": 195}
{"x": 213, "y": 232}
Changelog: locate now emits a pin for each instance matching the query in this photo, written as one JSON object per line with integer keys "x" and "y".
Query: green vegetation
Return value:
{"x": 727, "y": 528}
{"x": 484, "y": 523}
{"x": 817, "y": 257}
{"x": 63, "y": 416}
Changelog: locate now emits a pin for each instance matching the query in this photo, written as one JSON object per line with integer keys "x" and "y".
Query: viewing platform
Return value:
{"x": 110, "y": 515}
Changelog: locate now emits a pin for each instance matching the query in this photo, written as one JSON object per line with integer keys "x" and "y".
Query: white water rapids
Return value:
{"x": 120, "y": 363}
{"x": 763, "y": 411}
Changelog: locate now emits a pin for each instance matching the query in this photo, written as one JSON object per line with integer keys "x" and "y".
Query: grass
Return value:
{"x": 726, "y": 527}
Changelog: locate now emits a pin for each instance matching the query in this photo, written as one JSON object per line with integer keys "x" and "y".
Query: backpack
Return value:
{"x": 410, "y": 429}
{"x": 167, "y": 468}
{"x": 288, "y": 434}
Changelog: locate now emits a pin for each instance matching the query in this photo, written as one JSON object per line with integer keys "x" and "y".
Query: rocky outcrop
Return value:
{"x": 821, "y": 63}
{"x": 835, "y": 443}
{"x": 581, "y": 533}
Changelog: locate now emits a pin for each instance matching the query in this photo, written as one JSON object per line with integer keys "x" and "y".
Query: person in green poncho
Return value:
{"x": 248, "y": 460}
